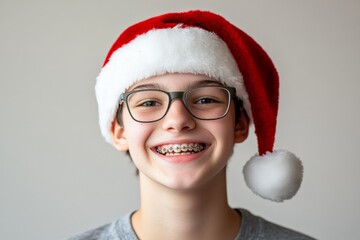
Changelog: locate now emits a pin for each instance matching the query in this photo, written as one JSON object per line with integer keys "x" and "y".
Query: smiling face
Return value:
{"x": 179, "y": 151}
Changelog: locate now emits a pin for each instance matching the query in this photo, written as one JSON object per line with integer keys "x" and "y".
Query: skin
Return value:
{"x": 182, "y": 197}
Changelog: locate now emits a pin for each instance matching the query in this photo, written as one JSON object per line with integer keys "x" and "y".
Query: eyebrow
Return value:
{"x": 146, "y": 86}
{"x": 204, "y": 82}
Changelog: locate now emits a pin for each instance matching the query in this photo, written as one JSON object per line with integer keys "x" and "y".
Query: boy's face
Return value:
{"x": 179, "y": 128}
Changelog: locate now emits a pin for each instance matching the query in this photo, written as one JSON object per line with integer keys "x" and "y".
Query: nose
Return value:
{"x": 177, "y": 118}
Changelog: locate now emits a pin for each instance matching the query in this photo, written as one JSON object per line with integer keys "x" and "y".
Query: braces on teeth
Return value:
{"x": 178, "y": 148}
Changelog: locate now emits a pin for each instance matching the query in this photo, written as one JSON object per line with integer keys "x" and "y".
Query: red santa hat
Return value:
{"x": 202, "y": 42}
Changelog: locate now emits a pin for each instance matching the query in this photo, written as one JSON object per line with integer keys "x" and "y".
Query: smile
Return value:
{"x": 180, "y": 149}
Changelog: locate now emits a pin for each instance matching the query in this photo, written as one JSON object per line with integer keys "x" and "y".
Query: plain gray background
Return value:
{"x": 58, "y": 177}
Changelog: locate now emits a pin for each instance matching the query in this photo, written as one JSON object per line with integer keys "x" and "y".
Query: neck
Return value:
{"x": 201, "y": 213}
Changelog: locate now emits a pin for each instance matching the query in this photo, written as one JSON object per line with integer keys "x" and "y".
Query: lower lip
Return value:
{"x": 182, "y": 158}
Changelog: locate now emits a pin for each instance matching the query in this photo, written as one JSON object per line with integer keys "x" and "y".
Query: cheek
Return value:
{"x": 225, "y": 128}
{"x": 137, "y": 135}
{"x": 224, "y": 133}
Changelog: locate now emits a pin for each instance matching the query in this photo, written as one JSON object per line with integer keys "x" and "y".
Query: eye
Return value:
{"x": 149, "y": 103}
{"x": 205, "y": 100}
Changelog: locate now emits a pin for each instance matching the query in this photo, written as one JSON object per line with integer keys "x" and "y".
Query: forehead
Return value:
{"x": 174, "y": 82}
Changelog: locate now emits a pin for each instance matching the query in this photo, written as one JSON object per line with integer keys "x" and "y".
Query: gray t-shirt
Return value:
{"x": 252, "y": 227}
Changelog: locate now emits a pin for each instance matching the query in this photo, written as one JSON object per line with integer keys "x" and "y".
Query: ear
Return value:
{"x": 241, "y": 127}
{"x": 119, "y": 137}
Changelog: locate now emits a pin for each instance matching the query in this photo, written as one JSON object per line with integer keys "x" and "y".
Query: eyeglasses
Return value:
{"x": 204, "y": 103}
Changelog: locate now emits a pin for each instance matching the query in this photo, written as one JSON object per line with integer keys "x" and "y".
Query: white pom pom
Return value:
{"x": 275, "y": 175}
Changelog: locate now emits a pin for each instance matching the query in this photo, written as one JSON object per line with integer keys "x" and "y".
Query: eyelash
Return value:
{"x": 205, "y": 98}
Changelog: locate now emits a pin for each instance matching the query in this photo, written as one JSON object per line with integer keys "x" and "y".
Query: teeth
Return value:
{"x": 176, "y": 149}
{"x": 184, "y": 147}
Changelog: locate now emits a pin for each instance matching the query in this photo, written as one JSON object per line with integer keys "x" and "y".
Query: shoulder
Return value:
{"x": 254, "y": 227}
{"x": 119, "y": 229}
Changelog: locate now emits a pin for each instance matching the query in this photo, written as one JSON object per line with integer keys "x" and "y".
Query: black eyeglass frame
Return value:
{"x": 172, "y": 96}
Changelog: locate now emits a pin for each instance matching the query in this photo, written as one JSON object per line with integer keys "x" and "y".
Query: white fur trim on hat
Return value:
{"x": 276, "y": 176}
{"x": 161, "y": 51}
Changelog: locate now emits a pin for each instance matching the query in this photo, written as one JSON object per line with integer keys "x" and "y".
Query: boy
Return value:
{"x": 177, "y": 92}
